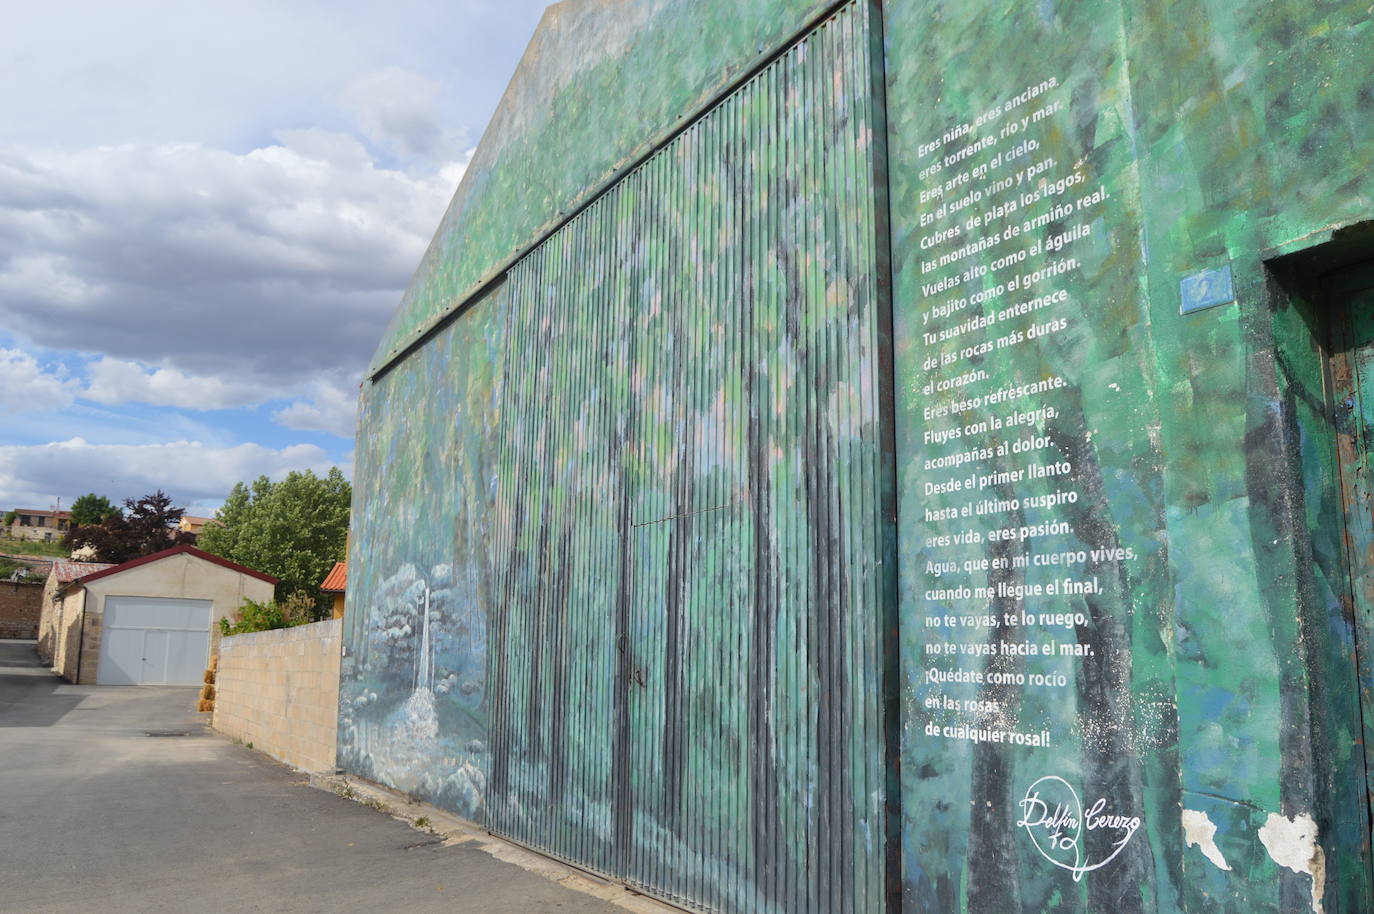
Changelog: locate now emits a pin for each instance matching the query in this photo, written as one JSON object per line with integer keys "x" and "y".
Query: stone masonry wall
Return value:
{"x": 279, "y": 690}
{"x": 20, "y": 607}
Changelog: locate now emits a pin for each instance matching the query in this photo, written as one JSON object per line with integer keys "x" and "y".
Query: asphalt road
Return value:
{"x": 96, "y": 815}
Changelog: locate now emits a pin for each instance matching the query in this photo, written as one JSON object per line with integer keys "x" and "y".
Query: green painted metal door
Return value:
{"x": 694, "y": 506}
{"x": 1351, "y": 295}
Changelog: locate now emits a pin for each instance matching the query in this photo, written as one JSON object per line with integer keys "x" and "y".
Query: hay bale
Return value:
{"x": 207, "y": 693}
{"x": 205, "y": 704}
{"x": 210, "y": 676}
{"x": 214, "y": 662}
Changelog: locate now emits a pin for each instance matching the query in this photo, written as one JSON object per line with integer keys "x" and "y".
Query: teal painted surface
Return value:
{"x": 600, "y": 85}
{"x": 669, "y": 417}
{"x": 1224, "y": 134}
{"x": 964, "y": 846}
{"x": 655, "y": 466}
{"x": 413, "y": 706}
{"x": 677, "y": 708}
{"x": 1350, "y": 316}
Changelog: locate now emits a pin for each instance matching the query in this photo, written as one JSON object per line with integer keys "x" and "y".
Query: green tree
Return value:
{"x": 147, "y": 525}
{"x": 294, "y": 529}
{"x": 222, "y": 538}
{"x": 92, "y": 509}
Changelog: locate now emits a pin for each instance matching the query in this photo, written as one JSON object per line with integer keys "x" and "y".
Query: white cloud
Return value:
{"x": 24, "y": 385}
{"x": 189, "y": 471}
{"x": 115, "y": 381}
{"x": 340, "y": 149}
{"x": 159, "y": 226}
{"x": 329, "y": 410}
{"x": 273, "y": 267}
{"x": 398, "y": 110}
{"x": 225, "y": 74}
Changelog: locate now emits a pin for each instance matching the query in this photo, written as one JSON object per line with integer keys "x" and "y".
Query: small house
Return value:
{"x": 334, "y": 584}
{"x": 148, "y": 621}
{"x": 40, "y": 526}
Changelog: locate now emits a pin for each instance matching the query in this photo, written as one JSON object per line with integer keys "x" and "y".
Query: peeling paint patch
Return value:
{"x": 1293, "y": 843}
{"x": 1199, "y": 830}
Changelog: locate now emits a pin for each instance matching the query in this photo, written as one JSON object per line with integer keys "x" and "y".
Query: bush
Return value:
{"x": 297, "y": 609}
{"x": 33, "y": 547}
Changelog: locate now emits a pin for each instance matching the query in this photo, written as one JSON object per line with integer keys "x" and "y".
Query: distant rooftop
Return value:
{"x": 337, "y": 579}
{"x": 69, "y": 571}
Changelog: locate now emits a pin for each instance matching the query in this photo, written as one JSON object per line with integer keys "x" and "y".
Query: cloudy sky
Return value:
{"x": 208, "y": 213}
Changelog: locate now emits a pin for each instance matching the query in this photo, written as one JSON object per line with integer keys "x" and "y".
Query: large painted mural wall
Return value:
{"x": 1125, "y": 666}
{"x": 619, "y": 541}
{"x": 1128, "y": 664}
{"x": 684, "y": 686}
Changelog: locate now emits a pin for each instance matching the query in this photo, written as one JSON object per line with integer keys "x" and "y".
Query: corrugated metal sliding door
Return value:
{"x": 685, "y": 668}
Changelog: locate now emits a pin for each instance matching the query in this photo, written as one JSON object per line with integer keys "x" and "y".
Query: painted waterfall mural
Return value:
{"x": 413, "y": 710}
{"x": 426, "y": 622}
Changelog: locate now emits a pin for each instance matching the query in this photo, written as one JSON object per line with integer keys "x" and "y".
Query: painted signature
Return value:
{"x": 1054, "y": 817}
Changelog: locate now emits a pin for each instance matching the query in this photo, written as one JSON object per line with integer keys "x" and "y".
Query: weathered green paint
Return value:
{"x": 671, "y": 439}
{"x": 571, "y": 122}
{"x": 1224, "y": 134}
{"x": 668, "y": 422}
{"x": 423, "y": 519}
{"x": 1349, "y": 304}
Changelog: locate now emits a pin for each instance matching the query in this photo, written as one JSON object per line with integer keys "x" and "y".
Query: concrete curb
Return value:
{"x": 453, "y": 830}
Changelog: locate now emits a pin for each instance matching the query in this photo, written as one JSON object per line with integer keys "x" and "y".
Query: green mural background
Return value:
{"x": 647, "y": 479}
{"x": 1225, "y": 135}
{"x": 652, "y": 455}
{"x": 412, "y": 704}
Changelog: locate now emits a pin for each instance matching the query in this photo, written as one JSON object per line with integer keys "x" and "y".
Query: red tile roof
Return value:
{"x": 69, "y": 571}
{"x": 33, "y": 512}
{"x": 168, "y": 553}
{"x": 337, "y": 579}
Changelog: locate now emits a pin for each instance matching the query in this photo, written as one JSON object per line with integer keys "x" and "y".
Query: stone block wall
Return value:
{"x": 279, "y": 690}
{"x": 21, "y": 604}
{"x": 62, "y": 634}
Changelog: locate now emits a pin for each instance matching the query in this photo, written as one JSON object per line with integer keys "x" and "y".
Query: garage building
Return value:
{"x": 149, "y": 621}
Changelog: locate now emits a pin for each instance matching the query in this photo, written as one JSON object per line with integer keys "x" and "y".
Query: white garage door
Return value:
{"x": 154, "y": 641}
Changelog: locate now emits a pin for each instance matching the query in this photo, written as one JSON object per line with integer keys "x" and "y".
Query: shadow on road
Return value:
{"x": 27, "y": 688}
